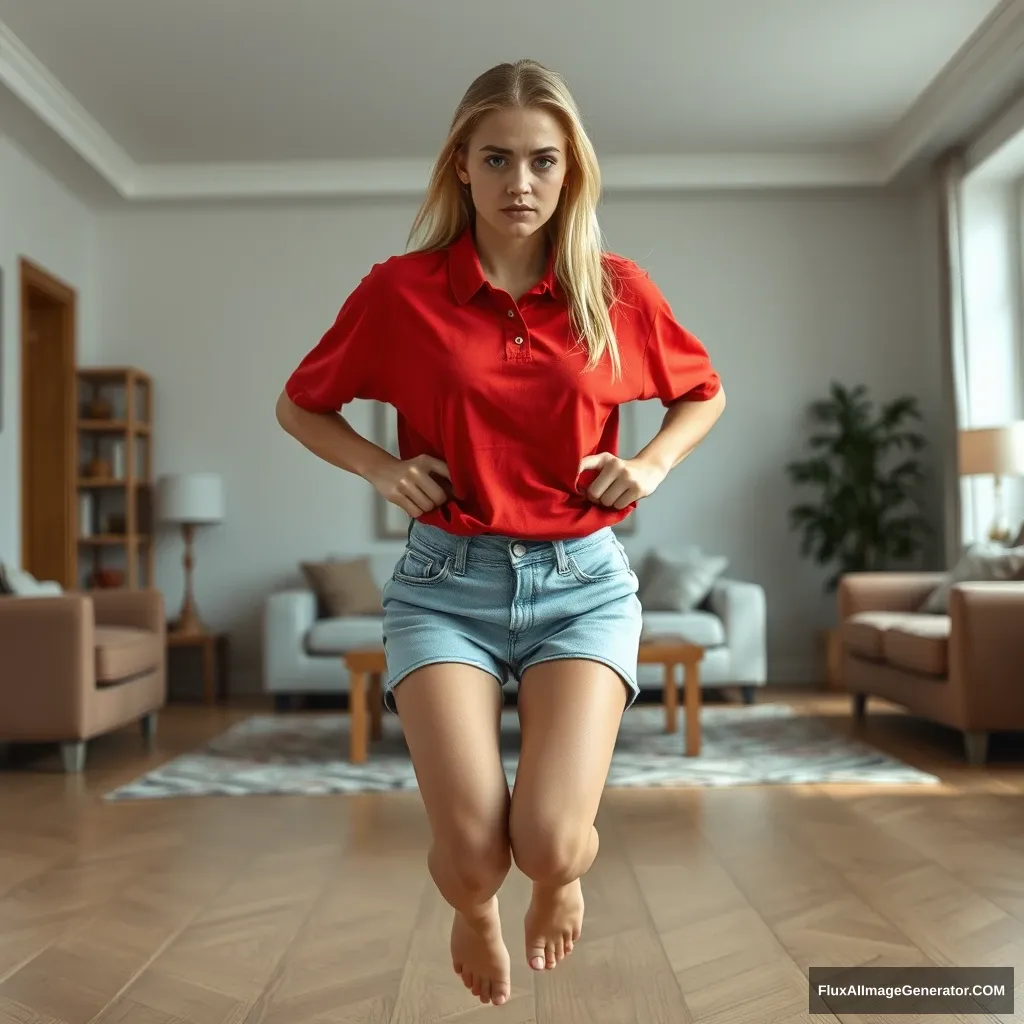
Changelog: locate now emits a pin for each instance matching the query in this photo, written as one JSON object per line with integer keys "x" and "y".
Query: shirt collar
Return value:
{"x": 467, "y": 274}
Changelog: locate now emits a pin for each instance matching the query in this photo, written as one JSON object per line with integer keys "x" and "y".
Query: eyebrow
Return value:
{"x": 508, "y": 152}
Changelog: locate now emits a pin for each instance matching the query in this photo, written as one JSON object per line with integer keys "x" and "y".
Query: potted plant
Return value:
{"x": 864, "y": 466}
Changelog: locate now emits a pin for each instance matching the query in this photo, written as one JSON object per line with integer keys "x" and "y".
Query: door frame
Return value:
{"x": 35, "y": 278}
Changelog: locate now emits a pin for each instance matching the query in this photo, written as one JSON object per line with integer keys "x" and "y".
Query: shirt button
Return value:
{"x": 519, "y": 341}
{"x": 519, "y": 550}
{"x": 511, "y": 313}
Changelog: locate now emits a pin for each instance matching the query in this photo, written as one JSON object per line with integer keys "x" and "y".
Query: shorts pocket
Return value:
{"x": 421, "y": 570}
{"x": 600, "y": 562}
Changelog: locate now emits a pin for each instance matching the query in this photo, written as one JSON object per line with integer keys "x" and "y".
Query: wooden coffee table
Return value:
{"x": 669, "y": 652}
{"x": 365, "y": 668}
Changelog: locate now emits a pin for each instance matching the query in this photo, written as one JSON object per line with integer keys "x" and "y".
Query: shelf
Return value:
{"x": 107, "y": 539}
{"x": 113, "y": 426}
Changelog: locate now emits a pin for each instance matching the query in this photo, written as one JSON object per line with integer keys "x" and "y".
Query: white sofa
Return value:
{"x": 300, "y": 650}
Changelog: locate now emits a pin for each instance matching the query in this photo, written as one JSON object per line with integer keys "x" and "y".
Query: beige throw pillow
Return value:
{"x": 980, "y": 563}
{"x": 344, "y": 587}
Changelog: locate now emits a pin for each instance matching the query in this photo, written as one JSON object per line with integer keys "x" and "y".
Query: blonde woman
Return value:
{"x": 506, "y": 338}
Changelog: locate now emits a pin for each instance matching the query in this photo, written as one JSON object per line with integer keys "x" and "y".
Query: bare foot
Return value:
{"x": 480, "y": 956}
{"x": 553, "y": 924}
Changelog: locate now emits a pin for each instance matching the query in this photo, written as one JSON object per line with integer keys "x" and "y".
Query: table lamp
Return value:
{"x": 995, "y": 452}
{"x": 191, "y": 500}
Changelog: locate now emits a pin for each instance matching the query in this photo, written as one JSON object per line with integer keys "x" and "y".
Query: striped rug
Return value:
{"x": 304, "y": 754}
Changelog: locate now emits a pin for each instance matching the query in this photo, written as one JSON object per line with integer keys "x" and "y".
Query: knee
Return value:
{"x": 479, "y": 861}
{"x": 548, "y": 852}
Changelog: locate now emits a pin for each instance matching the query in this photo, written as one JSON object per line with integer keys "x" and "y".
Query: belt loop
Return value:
{"x": 561, "y": 558}
{"x": 408, "y": 530}
{"x": 461, "y": 548}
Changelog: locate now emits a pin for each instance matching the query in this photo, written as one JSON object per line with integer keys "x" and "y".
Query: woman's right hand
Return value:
{"x": 411, "y": 485}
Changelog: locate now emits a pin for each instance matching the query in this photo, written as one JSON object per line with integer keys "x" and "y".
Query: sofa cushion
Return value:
{"x": 697, "y": 627}
{"x": 983, "y": 562}
{"x": 343, "y": 633}
{"x": 864, "y": 632}
{"x": 123, "y": 652}
{"x": 920, "y": 644}
{"x": 678, "y": 583}
{"x": 344, "y": 587}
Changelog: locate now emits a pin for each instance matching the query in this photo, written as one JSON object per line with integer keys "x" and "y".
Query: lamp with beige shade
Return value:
{"x": 995, "y": 452}
{"x": 191, "y": 499}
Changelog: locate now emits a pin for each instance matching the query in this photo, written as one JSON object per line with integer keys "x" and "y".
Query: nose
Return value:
{"x": 520, "y": 183}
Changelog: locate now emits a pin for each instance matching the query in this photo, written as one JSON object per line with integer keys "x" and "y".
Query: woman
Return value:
{"x": 506, "y": 339}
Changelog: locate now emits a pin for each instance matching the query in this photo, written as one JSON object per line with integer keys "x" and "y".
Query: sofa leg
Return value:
{"x": 72, "y": 756}
{"x": 749, "y": 694}
{"x": 860, "y": 704}
{"x": 976, "y": 747}
{"x": 148, "y": 725}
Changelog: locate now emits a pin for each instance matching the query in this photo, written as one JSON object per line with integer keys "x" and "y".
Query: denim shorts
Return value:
{"x": 503, "y": 604}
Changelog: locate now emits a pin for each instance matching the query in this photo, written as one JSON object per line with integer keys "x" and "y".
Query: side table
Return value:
{"x": 215, "y": 650}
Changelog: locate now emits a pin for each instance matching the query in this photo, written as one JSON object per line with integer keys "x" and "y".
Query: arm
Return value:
{"x": 620, "y": 482}
{"x": 329, "y": 436}
{"x": 884, "y": 591}
{"x": 684, "y": 426}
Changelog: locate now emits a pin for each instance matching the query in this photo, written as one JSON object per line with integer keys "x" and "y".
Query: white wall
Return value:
{"x": 219, "y": 304}
{"x": 40, "y": 220}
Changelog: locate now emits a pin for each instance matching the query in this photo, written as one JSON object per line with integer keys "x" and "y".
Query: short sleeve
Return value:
{"x": 676, "y": 363}
{"x": 346, "y": 363}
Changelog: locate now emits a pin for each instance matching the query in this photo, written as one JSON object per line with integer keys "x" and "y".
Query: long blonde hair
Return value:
{"x": 573, "y": 229}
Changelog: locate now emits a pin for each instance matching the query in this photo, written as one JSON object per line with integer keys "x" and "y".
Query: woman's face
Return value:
{"x": 515, "y": 164}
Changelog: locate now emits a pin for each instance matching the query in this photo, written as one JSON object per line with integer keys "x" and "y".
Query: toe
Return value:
{"x": 549, "y": 953}
{"x": 535, "y": 956}
{"x": 499, "y": 993}
{"x": 485, "y": 990}
{"x": 559, "y": 949}
{"x": 467, "y": 978}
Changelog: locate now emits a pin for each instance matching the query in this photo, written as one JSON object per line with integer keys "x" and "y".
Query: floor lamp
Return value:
{"x": 995, "y": 452}
{"x": 190, "y": 500}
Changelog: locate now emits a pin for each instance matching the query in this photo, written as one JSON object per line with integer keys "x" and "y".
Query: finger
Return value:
{"x": 594, "y": 461}
{"x": 407, "y": 506}
{"x": 432, "y": 465}
{"x": 628, "y": 494}
{"x": 418, "y": 497}
{"x": 428, "y": 486}
{"x": 604, "y": 481}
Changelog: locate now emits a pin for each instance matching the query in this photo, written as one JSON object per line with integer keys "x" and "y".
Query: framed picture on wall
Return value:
{"x": 392, "y": 522}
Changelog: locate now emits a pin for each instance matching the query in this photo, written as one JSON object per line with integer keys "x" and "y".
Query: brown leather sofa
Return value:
{"x": 80, "y": 664}
{"x": 964, "y": 669}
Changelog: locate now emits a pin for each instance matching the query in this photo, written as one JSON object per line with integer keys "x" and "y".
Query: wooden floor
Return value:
{"x": 704, "y": 905}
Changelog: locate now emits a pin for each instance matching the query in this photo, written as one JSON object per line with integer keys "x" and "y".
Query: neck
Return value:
{"x": 513, "y": 259}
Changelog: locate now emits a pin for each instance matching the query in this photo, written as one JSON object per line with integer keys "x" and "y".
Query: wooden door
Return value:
{"x": 48, "y": 428}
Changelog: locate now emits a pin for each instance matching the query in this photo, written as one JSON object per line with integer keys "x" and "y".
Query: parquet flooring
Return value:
{"x": 704, "y": 905}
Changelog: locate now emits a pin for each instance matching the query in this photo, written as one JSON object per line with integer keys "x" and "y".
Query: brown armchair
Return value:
{"x": 80, "y": 664}
{"x": 964, "y": 669}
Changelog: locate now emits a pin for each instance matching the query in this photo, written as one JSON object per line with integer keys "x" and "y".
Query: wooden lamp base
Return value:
{"x": 188, "y": 622}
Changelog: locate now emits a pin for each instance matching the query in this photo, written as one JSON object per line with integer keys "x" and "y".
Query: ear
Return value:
{"x": 459, "y": 160}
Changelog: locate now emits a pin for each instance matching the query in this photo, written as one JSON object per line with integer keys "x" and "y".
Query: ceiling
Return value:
{"x": 169, "y": 96}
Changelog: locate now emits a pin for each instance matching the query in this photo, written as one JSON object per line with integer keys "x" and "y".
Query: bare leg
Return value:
{"x": 570, "y": 712}
{"x": 450, "y": 716}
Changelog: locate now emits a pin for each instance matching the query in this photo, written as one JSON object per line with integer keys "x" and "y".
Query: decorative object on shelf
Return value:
{"x": 996, "y": 452}
{"x": 190, "y": 500}
{"x": 114, "y": 486}
{"x": 864, "y": 464}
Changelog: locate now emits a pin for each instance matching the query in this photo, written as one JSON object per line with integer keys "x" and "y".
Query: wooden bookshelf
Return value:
{"x": 115, "y": 475}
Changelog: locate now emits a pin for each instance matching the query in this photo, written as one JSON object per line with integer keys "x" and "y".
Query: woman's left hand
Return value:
{"x": 620, "y": 482}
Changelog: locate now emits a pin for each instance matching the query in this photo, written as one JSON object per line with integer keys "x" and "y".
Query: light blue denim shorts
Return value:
{"x": 504, "y": 604}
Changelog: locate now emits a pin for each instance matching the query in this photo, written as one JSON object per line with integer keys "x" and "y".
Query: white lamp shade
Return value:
{"x": 190, "y": 498}
{"x": 993, "y": 451}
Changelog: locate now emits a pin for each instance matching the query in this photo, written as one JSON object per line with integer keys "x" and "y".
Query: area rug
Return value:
{"x": 741, "y": 746}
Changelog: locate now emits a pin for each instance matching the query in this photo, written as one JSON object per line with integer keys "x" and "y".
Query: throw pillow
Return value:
{"x": 18, "y": 583}
{"x": 980, "y": 563}
{"x": 679, "y": 584}
{"x": 344, "y": 587}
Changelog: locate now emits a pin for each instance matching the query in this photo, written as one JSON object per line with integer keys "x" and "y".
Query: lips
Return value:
{"x": 518, "y": 209}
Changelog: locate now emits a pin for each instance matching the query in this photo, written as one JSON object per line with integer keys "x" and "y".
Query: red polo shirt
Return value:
{"x": 495, "y": 387}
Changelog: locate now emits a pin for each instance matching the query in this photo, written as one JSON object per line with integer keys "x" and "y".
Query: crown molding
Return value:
{"x": 407, "y": 178}
{"x": 984, "y": 71}
{"x": 39, "y": 90}
{"x": 981, "y": 68}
